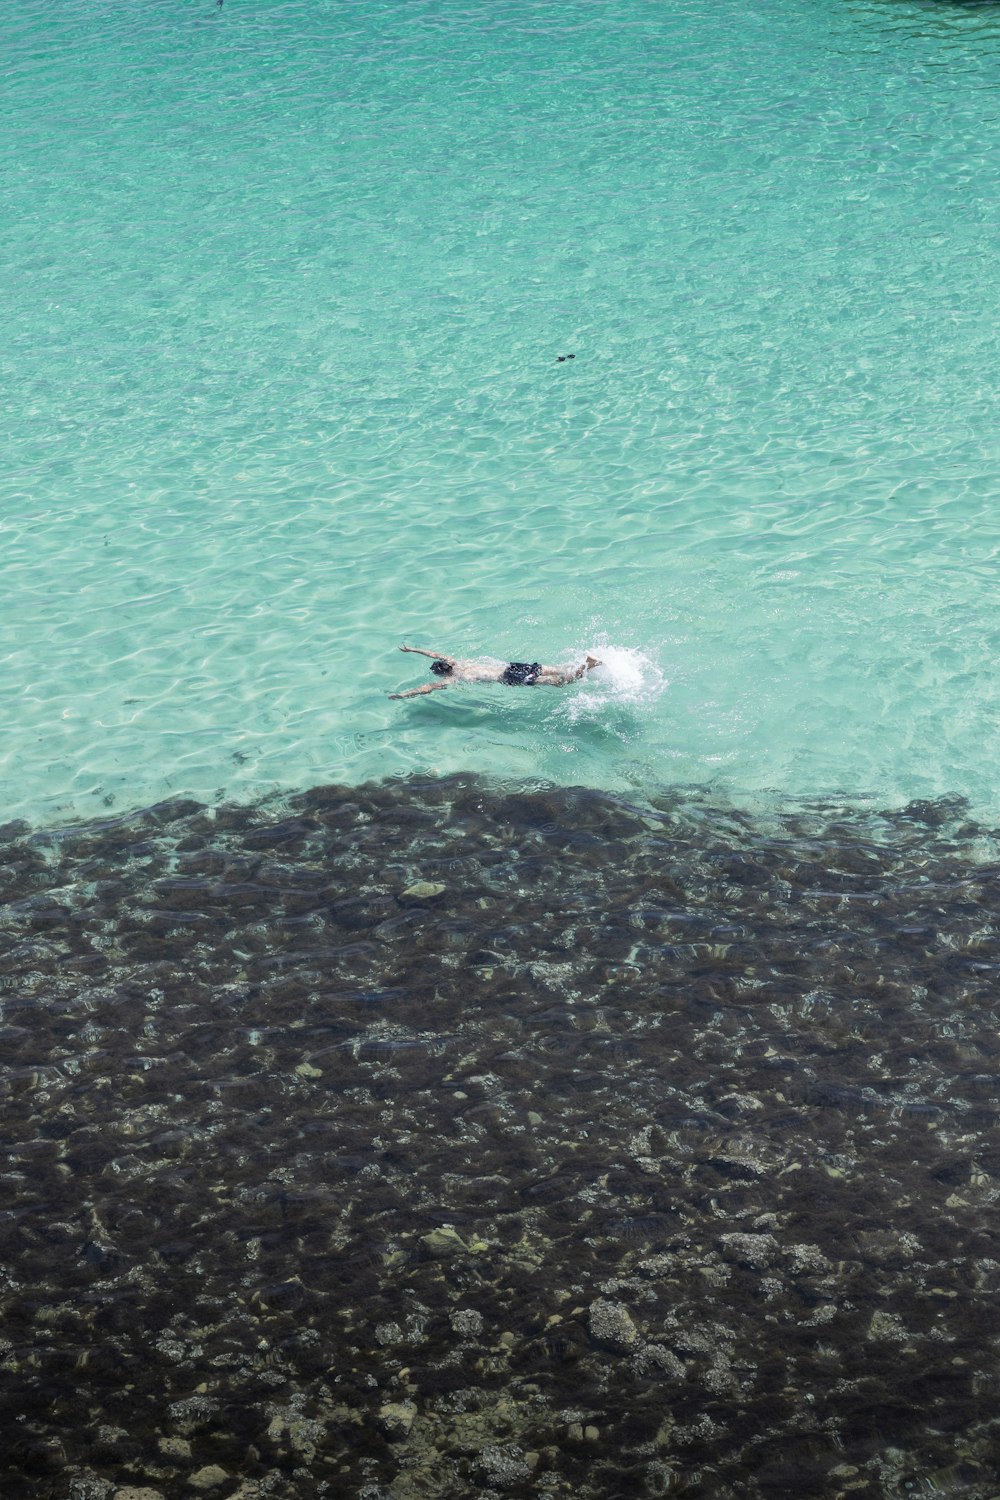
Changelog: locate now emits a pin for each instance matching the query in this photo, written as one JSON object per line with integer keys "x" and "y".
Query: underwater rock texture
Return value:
{"x": 433, "y": 1139}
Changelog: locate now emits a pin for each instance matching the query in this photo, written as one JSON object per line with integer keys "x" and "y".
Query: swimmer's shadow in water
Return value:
{"x": 449, "y": 708}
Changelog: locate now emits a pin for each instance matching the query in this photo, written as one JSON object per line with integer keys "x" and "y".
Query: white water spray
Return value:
{"x": 625, "y": 676}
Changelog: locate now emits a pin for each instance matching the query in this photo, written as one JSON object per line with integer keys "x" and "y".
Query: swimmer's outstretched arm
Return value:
{"x": 428, "y": 687}
{"x": 436, "y": 655}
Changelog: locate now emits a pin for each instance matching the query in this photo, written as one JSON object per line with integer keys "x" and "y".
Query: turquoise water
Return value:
{"x": 333, "y": 1098}
{"x": 284, "y": 290}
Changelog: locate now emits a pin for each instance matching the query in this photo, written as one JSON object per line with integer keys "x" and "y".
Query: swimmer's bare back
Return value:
{"x": 457, "y": 670}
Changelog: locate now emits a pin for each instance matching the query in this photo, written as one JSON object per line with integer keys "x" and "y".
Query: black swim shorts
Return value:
{"x": 521, "y": 673}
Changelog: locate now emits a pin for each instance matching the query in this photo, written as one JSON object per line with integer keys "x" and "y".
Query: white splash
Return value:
{"x": 625, "y": 676}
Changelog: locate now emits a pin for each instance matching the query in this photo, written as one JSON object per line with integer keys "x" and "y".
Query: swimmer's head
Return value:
{"x": 442, "y": 668}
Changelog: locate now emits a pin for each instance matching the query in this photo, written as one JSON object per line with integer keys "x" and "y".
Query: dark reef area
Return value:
{"x": 436, "y": 1139}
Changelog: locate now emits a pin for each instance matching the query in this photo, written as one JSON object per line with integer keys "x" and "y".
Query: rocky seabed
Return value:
{"x": 437, "y": 1138}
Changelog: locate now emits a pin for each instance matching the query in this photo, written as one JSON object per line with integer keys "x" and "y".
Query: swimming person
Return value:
{"x": 514, "y": 674}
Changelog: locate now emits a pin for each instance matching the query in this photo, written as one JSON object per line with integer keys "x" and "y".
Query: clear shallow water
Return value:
{"x": 284, "y": 290}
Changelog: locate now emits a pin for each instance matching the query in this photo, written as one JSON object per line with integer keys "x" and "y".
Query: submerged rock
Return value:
{"x": 397, "y": 1417}
{"x": 208, "y": 1478}
{"x": 467, "y": 1322}
{"x": 612, "y": 1325}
